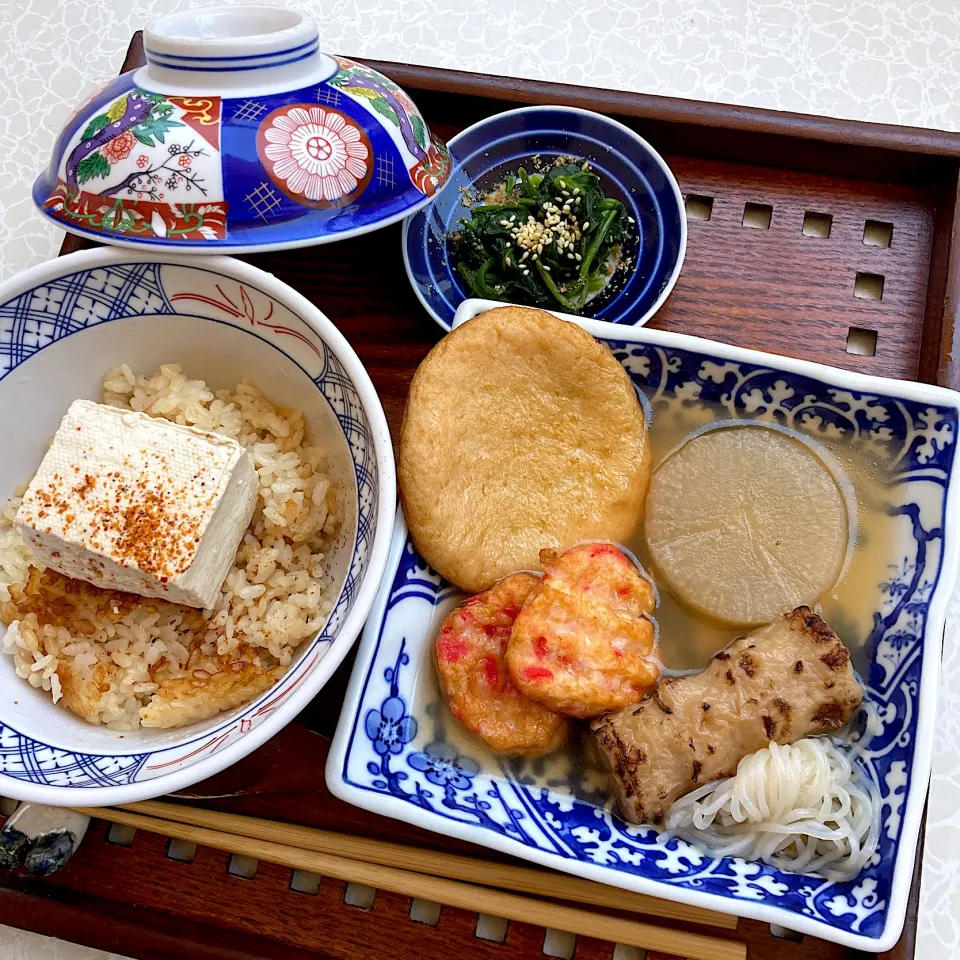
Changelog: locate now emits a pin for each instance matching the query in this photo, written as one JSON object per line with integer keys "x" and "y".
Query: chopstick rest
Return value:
{"x": 40, "y": 839}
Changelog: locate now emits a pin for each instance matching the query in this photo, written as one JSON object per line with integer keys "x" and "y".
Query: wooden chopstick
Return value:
{"x": 543, "y": 883}
{"x": 467, "y": 896}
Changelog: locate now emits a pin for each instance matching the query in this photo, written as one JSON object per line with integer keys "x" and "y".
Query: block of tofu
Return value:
{"x": 131, "y": 502}
{"x": 783, "y": 682}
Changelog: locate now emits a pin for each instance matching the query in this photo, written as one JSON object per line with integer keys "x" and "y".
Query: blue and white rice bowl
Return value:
{"x": 63, "y": 325}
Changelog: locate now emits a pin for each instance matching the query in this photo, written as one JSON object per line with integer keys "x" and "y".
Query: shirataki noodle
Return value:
{"x": 802, "y": 808}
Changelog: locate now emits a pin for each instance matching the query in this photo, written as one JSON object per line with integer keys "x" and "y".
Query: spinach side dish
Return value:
{"x": 547, "y": 239}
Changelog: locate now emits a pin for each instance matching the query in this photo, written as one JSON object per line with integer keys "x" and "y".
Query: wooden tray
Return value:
{"x": 823, "y": 239}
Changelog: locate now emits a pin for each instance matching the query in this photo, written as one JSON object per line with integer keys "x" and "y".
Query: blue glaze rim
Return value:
{"x": 657, "y": 207}
{"x": 243, "y": 58}
{"x": 197, "y": 68}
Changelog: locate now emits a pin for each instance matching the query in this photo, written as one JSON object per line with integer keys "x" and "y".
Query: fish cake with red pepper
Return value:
{"x": 584, "y": 642}
{"x": 470, "y": 653}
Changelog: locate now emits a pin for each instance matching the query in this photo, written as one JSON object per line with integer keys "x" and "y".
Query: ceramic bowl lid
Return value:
{"x": 239, "y": 135}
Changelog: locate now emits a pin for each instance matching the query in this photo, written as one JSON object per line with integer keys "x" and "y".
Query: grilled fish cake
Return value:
{"x": 521, "y": 432}
{"x": 783, "y": 682}
{"x": 584, "y": 643}
{"x": 470, "y": 651}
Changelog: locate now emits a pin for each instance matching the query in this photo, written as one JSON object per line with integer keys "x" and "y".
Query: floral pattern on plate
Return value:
{"x": 397, "y": 752}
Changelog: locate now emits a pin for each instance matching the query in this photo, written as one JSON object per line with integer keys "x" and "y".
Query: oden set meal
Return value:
{"x": 649, "y": 601}
{"x": 529, "y": 478}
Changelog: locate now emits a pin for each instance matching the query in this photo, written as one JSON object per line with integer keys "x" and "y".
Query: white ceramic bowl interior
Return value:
{"x": 280, "y": 342}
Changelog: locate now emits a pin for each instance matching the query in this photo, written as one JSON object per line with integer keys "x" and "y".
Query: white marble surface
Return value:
{"x": 19, "y": 945}
{"x": 878, "y": 60}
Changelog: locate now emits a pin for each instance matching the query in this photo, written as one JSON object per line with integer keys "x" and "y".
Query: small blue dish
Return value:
{"x": 629, "y": 169}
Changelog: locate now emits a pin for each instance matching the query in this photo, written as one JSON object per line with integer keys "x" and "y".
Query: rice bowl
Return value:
{"x": 292, "y": 604}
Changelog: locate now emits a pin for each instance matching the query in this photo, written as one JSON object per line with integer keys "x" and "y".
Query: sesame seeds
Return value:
{"x": 531, "y": 235}
{"x": 562, "y": 224}
{"x": 557, "y": 217}
{"x": 556, "y": 223}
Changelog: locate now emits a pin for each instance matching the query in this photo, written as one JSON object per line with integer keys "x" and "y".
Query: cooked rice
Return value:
{"x": 129, "y": 661}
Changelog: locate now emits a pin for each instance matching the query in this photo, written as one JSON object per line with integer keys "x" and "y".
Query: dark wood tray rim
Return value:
{"x": 676, "y": 109}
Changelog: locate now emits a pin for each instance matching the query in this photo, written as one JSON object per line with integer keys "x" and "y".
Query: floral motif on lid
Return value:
{"x": 316, "y": 155}
{"x": 119, "y": 147}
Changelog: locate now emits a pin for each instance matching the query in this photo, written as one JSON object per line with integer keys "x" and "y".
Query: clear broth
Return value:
{"x": 687, "y": 640}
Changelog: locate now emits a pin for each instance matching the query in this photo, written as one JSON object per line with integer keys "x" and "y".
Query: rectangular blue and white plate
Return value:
{"x": 398, "y": 753}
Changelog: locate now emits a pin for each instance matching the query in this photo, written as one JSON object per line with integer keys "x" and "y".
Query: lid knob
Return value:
{"x": 221, "y": 49}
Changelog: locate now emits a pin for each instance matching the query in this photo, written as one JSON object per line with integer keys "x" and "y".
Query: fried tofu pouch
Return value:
{"x": 783, "y": 682}
{"x": 521, "y": 432}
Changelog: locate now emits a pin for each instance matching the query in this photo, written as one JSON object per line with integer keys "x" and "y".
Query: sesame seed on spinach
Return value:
{"x": 545, "y": 239}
